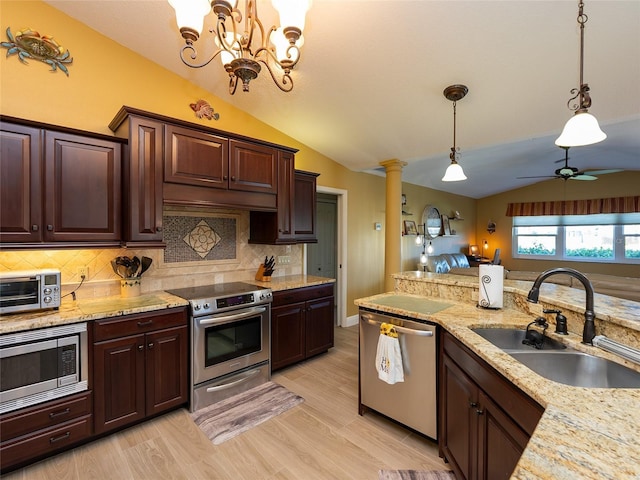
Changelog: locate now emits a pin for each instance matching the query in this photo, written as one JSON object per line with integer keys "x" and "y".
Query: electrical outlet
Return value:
{"x": 83, "y": 271}
{"x": 284, "y": 259}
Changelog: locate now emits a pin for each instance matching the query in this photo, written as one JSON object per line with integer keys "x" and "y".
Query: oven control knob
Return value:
{"x": 196, "y": 306}
{"x": 206, "y": 306}
{"x": 46, "y": 299}
{"x": 47, "y": 291}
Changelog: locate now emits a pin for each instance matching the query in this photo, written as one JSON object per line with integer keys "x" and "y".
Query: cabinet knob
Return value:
{"x": 479, "y": 411}
{"x": 159, "y": 229}
{"x": 150, "y": 346}
{"x": 224, "y": 177}
{"x": 50, "y": 228}
{"x": 233, "y": 179}
{"x": 140, "y": 348}
{"x": 34, "y": 228}
{"x": 473, "y": 404}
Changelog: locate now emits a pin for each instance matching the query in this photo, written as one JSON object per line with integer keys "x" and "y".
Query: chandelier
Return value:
{"x": 582, "y": 128}
{"x": 241, "y": 42}
{"x": 454, "y": 171}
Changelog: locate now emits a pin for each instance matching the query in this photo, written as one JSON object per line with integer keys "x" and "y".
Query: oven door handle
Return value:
{"x": 224, "y": 386}
{"x": 235, "y": 316}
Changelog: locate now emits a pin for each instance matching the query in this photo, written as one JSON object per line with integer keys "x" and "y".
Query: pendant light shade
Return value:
{"x": 581, "y": 129}
{"x": 454, "y": 173}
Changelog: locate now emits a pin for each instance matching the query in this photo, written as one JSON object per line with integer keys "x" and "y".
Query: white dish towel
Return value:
{"x": 388, "y": 355}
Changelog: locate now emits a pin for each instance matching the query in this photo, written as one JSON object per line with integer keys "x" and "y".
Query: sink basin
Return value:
{"x": 511, "y": 339}
{"x": 578, "y": 369}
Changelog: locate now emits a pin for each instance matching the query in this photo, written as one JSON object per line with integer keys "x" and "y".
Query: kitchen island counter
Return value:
{"x": 586, "y": 433}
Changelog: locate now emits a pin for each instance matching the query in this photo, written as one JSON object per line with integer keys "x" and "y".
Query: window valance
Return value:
{"x": 575, "y": 207}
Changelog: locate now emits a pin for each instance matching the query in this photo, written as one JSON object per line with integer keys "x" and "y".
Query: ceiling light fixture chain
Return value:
{"x": 583, "y": 128}
{"x": 582, "y": 92}
{"x": 242, "y": 54}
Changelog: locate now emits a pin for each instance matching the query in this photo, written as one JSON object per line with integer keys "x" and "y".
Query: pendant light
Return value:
{"x": 581, "y": 129}
{"x": 454, "y": 171}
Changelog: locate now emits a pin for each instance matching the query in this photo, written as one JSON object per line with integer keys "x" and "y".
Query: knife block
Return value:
{"x": 260, "y": 276}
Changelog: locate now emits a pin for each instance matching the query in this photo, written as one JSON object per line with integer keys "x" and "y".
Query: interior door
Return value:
{"x": 322, "y": 257}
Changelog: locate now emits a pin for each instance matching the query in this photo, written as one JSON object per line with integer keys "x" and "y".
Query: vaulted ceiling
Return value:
{"x": 369, "y": 86}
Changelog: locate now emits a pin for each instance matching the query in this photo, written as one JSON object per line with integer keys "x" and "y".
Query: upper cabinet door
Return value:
{"x": 143, "y": 183}
{"x": 20, "y": 184}
{"x": 252, "y": 167}
{"x": 83, "y": 192}
{"x": 195, "y": 158}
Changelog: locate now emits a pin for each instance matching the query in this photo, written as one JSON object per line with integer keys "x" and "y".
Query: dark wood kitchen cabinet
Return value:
{"x": 205, "y": 167}
{"x": 59, "y": 187}
{"x": 302, "y": 323}
{"x": 44, "y": 429}
{"x": 295, "y": 220}
{"x": 485, "y": 421}
{"x": 140, "y": 367}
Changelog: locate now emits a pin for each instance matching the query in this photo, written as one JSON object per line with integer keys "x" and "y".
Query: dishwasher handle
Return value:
{"x": 410, "y": 331}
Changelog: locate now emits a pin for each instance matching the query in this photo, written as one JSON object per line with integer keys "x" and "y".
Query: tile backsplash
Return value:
{"x": 221, "y": 235}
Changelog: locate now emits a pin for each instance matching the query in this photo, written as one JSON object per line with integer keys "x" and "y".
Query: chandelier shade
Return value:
{"x": 241, "y": 42}
{"x": 583, "y": 128}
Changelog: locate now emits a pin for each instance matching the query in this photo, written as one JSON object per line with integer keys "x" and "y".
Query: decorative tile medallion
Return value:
{"x": 202, "y": 239}
{"x": 199, "y": 237}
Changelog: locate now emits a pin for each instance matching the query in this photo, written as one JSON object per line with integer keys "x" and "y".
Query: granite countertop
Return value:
{"x": 289, "y": 282}
{"x": 71, "y": 311}
{"x": 94, "y": 309}
{"x": 586, "y": 433}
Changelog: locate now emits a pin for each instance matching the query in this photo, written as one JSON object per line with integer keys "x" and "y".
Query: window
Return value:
{"x": 608, "y": 238}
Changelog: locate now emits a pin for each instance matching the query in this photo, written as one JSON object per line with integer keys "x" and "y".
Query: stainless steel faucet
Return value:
{"x": 589, "y": 330}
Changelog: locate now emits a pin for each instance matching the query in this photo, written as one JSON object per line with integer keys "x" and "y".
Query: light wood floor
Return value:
{"x": 323, "y": 438}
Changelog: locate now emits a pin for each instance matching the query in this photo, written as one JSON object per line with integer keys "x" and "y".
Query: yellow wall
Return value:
{"x": 494, "y": 207}
{"x": 104, "y": 76}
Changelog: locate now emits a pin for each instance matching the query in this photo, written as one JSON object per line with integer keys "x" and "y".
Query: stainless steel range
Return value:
{"x": 230, "y": 341}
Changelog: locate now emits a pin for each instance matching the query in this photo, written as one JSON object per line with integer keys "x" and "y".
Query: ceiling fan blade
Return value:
{"x": 582, "y": 176}
{"x": 542, "y": 176}
{"x": 603, "y": 172}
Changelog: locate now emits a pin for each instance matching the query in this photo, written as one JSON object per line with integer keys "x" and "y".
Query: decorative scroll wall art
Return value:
{"x": 29, "y": 44}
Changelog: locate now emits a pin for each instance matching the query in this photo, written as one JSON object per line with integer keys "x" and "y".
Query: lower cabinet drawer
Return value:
{"x": 38, "y": 417}
{"x": 43, "y": 442}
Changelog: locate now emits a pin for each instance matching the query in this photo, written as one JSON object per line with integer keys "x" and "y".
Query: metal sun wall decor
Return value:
{"x": 203, "y": 109}
{"x": 29, "y": 44}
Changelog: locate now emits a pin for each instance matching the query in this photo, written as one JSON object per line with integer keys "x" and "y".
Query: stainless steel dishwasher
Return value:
{"x": 414, "y": 401}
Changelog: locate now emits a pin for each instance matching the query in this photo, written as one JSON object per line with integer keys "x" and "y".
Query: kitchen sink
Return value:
{"x": 511, "y": 339}
{"x": 578, "y": 369}
{"x": 556, "y": 362}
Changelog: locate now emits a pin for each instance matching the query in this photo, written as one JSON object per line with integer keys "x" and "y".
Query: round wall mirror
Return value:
{"x": 432, "y": 221}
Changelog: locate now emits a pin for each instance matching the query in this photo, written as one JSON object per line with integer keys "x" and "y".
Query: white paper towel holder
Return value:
{"x": 490, "y": 297}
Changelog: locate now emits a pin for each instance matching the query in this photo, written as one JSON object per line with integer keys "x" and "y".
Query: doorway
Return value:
{"x": 327, "y": 258}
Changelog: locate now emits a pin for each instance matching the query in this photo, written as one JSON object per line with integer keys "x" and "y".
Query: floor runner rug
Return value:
{"x": 234, "y": 415}
{"x": 415, "y": 475}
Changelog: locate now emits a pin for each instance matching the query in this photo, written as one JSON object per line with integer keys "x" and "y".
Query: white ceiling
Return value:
{"x": 369, "y": 85}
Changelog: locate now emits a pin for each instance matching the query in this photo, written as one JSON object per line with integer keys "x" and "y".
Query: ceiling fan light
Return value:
{"x": 454, "y": 173}
{"x": 581, "y": 129}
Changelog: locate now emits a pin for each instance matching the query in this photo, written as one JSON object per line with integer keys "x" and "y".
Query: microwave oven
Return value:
{"x": 29, "y": 290}
{"x": 41, "y": 365}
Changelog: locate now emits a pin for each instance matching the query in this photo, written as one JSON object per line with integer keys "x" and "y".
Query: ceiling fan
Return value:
{"x": 567, "y": 172}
